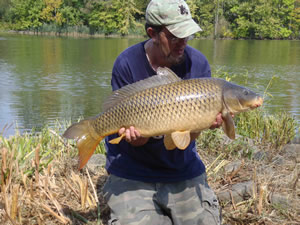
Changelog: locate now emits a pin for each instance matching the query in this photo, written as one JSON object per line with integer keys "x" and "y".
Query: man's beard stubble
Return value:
{"x": 174, "y": 61}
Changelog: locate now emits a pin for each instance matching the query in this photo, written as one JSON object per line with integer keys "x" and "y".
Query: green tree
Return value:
{"x": 114, "y": 16}
{"x": 4, "y": 8}
{"x": 25, "y": 14}
{"x": 295, "y": 20}
{"x": 100, "y": 18}
{"x": 51, "y": 12}
{"x": 70, "y": 16}
{"x": 259, "y": 18}
{"x": 203, "y": 13}
{"x": 273, "y": 19}
{"x": 127, "y": 11}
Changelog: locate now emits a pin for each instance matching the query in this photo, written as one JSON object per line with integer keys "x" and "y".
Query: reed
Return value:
{"x": 40, "y": 182}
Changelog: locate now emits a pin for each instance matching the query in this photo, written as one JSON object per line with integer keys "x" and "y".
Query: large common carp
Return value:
{"x": 164, "y": 105}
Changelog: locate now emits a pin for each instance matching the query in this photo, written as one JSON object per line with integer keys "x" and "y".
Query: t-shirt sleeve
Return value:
{"x": 206, "y": 71}
{"x": 121, "y": 75}
{"x": 200, "y": 65}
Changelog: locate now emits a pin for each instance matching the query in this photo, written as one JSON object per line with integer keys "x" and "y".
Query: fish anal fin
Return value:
{"x": 228, "y": 125}
{"x": 181, "y": 139}
{"x": 168, "y": 142}
{"x": 117, "y": 140}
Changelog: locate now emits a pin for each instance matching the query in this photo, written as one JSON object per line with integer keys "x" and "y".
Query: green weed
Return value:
{"x": 263, "y": 129}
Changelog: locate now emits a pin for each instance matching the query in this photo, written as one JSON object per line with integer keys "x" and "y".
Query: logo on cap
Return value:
{"x": 183, "y": 10}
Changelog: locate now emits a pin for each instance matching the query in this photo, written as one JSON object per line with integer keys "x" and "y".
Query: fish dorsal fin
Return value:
{"x": 164, "y": 76}
{"x": 181, "y": 139}
{"x": 167, "y": 72}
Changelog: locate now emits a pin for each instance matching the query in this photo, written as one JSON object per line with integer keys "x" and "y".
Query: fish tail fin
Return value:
{"x": 86, "y": 138}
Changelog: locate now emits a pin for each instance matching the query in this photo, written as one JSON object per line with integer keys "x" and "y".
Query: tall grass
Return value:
{"x": 253, "y": 127}
{"x": 39, "y": 181}
{"x": 274, "y": 130}
{"x": 51, "y": 146}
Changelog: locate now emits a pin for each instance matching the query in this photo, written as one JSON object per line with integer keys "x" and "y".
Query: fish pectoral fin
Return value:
{"x": 181, "y": 139}
{"x": 228, "y": 125}
{"x": 169, "y": 144}
{"x": 117, "y": 140}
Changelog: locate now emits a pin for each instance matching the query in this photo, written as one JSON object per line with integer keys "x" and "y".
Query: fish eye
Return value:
{"x": 245, "y": 92}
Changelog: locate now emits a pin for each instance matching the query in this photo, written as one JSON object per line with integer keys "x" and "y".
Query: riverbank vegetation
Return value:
{"x": 256, "y": 176}
{"x": 258, "y": 19}
{"x": 40, "y": 182}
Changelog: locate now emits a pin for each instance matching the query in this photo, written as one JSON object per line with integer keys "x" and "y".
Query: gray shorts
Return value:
{"x": 180, "y": 203}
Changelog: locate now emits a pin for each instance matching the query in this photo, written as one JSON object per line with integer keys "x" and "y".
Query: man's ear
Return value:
{"x": 152, "y": 34}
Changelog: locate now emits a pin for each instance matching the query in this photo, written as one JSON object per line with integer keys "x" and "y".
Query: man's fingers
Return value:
{"x": 219, "y": 119}
{"x": 127, "y": 135}
{"x": 121, "y": 131}
{"x": 218, "y": 122}
{"x": 137, "y": 133}
{"x": 132, "y": 133}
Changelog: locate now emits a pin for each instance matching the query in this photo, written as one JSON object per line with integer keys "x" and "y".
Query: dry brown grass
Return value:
{"x": 40, "y": 182}
{"x": 58, "y": 194}
{"x": 270, "y": 179}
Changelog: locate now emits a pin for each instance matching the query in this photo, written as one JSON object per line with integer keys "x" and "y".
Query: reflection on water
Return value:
{"x": 44, "y": 79}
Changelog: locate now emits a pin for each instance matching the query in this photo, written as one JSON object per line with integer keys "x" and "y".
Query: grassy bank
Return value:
{"x": 40, "y": 183}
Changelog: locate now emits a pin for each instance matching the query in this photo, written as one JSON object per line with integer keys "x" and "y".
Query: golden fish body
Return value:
{"x": 183, "y": 105}
{"x": 164, "y": 105}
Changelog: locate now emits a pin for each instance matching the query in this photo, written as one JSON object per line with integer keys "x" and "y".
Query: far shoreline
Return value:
{"x": 116, "y": 35}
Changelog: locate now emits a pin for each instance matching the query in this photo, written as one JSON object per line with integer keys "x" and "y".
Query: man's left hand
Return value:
{"x": 218, "y": 122}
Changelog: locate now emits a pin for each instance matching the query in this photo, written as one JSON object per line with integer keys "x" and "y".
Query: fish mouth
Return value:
{"x": 257, "y": 103}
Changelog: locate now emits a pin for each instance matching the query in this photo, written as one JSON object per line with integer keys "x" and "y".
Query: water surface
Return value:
{"x": 45, "y": 79}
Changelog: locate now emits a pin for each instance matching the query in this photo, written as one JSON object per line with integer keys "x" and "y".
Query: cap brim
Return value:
{"x": 184, "y": 29}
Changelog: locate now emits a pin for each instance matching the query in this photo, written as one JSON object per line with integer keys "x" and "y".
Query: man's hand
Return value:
{"x": 218, "y": 122}
{"x": 133, "y": 136}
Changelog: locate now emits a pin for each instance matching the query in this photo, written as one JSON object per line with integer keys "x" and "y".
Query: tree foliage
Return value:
{"x": 51, "y": 12}
{"x": 259, "y": 19}
{"x": 117, "y": 16}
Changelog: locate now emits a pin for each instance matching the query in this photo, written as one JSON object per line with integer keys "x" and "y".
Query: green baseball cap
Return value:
{"x": 175, "y": 15}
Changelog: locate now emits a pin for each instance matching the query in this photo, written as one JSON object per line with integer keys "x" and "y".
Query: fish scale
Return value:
{"x": 155, "y": 111}
{"x": 164, "y": 105}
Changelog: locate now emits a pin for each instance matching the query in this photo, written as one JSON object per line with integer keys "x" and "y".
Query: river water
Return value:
{"x": 49, "y": 79}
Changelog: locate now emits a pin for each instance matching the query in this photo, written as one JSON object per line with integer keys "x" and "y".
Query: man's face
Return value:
{"x": 172, "y": 48}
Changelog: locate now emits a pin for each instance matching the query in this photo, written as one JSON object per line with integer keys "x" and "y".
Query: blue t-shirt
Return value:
{"x": 152, "y": 162}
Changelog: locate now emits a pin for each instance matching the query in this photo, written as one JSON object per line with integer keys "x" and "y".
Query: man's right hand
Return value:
{"x": 133, "y": 136}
